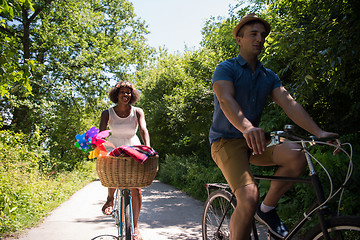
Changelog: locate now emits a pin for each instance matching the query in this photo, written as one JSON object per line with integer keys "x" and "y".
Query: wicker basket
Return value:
{"x": 126, "y": 172}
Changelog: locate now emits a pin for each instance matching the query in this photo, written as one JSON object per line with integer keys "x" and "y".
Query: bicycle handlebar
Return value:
{"x": 333, "y": 141}
{"x": 288, "y": 133}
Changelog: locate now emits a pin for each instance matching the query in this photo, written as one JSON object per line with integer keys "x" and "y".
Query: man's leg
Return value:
{"x": 136, "y": 204}
{"x": 291, "y": 163}
{"x": 232, "y": 157}
{"x": 247, "y": 201}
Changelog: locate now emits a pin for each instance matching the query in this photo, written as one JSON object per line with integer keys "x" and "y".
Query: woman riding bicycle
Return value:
{"x": 124, "y": 121}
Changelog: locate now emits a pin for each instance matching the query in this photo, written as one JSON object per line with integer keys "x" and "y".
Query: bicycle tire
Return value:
{"x": 117, "y": 211}
{"x": 344, "y": 228}
{"x": 128, "y": 227}
{"x": 105, "y": 237}
{"x": 214, "y": 209}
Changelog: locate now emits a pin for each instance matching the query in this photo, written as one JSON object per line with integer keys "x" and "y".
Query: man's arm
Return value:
{"x": 296, "y": 112}
{"x": 225, "y": 92}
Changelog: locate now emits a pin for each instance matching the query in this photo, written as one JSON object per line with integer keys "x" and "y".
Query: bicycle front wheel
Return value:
{"x": 339, "y": 228}
{"x": 216, "y": 216}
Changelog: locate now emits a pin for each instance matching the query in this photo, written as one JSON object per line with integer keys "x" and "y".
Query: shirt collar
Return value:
{"x": 243, "y": 62}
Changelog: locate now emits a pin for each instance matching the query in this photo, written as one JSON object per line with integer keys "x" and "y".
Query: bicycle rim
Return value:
{"x": 339, "y": 228}
{"x": 214, "y": 210}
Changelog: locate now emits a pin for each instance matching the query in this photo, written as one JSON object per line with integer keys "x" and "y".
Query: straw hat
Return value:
{"x": 251, "y": 17}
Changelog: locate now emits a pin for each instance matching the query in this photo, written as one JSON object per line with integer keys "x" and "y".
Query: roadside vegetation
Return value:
{"x": 29, "y": 188}
{"x": 55, "y": 73}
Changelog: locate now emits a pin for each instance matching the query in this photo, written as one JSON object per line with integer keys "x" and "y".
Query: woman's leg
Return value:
{"x": 136, "y": 205}
{"x": 108, "y": 206}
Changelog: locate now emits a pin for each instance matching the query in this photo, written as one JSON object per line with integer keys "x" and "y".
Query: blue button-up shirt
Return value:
{"x": 251, "y": 93}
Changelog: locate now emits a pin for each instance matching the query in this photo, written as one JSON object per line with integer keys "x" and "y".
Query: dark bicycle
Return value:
{"x": 221, "y": 201}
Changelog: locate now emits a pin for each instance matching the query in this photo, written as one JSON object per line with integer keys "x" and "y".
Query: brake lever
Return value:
{"x": 338, "y": 145}
{"x": 275, "y": 139}
{"x": 329, "y": 139}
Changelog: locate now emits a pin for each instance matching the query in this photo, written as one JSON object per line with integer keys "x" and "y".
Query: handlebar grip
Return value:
{"x": 289, "y": 134}
{"x": 325, "y": 139}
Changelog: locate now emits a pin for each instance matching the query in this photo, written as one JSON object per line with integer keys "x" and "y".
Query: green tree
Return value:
{"x": 177, "y": 99}
{"x": 79, "y": 48}
{"x": 312, "y": 48}
{"x": 15, "y": 65}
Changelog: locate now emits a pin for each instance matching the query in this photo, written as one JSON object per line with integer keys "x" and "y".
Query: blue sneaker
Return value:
{"x": 273, "y": 222}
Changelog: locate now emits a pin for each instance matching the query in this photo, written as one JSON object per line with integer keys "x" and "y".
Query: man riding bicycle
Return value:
{"x": 242, "y": 86}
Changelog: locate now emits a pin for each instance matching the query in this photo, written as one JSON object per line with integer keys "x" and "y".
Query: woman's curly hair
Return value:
{"x": 114, "y": 92}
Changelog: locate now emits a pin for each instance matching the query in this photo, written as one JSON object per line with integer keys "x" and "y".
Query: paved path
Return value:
{"x": 166, "y": 214}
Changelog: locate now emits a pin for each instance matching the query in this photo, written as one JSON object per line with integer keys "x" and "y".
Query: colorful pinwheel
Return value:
{"x": 93, "y": 140}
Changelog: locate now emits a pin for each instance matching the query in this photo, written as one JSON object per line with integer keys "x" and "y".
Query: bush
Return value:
{"x": 28, "y": 194}
{"x": 188, "y": 174}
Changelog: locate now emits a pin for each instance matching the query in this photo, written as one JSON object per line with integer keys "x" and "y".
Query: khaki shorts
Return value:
{"x": 233, "y": 156}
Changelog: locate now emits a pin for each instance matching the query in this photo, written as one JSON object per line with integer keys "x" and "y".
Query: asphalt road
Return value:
{"x": 166, "y": 213}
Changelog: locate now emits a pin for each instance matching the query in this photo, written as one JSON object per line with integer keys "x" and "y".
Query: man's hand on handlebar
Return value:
{"x": 331, "y": 135}
{"x": 324, "y": 134}
{"x": 255, "y": 139}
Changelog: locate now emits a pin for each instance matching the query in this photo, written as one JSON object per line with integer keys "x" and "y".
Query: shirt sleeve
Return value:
{"x": 223, "y": 71}
{"x": 275, "y": 79}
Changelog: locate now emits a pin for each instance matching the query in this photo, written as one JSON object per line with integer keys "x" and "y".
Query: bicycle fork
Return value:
{"x": 125, "y": 199}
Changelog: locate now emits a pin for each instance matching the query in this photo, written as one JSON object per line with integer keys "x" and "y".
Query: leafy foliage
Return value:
{"x": 323, "y": 77}
{"x": 27, "y": 194}
{"x": 70, "y": 63}
{"x": 57, "y": 61}
{"x": 187, "y": 174}
{"x": 177, "y": 99}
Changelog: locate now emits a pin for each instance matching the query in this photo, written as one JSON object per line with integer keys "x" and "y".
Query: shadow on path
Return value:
{"x": 170, "y": 213}
{"x": 166, "y": 213}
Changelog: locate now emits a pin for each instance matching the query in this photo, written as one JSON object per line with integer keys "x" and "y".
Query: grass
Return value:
{"x": 28, "y": 191}
{"x": 26, "y": 197}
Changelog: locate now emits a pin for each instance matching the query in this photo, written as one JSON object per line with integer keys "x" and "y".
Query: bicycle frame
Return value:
{"x": 318, "y": 206}
{"x": 314, "y": 181}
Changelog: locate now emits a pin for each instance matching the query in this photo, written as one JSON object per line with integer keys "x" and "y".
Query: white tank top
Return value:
{"x": 123, "y": 130}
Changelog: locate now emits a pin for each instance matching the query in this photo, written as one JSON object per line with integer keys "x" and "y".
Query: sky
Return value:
{"x": 176, "y": 23}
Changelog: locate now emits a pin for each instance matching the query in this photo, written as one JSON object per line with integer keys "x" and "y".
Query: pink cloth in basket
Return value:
{"x": 138, "y": 152}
